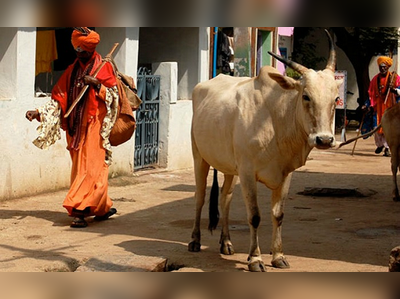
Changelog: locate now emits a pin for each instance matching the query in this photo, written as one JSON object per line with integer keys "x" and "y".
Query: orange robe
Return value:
{"x": 89, "y": 173}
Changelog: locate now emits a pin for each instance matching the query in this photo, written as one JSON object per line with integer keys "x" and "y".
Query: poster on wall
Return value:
{"x": 341, "y": 103}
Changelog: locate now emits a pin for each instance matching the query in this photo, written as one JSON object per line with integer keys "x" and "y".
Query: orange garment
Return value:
{"x": 86, "y": 42}
{"x": 386, "y": 60}
{"x": 89, "y": 173}
{"x": 46, "y": 50}
{"x": 60, "y": 90}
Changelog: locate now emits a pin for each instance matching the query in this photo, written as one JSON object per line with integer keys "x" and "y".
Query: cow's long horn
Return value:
{"x": 297, "y": 67}
{"x": 331, "y": 64}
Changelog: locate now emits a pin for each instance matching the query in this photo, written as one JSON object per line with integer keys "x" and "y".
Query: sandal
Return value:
{"x": 107, "y": 215}
{"x": 379, "y": 149}
{"x": 78, "y": 223}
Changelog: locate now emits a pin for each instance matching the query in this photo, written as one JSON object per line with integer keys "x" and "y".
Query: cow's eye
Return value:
{"x": 306, "y": 98}
{"x": 337, "y": 100}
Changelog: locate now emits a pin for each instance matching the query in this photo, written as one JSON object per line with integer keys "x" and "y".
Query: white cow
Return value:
{"x": 259, "y": 129}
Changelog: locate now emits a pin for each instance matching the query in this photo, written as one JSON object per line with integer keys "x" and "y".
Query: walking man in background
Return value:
{"x": 383, "y": 92}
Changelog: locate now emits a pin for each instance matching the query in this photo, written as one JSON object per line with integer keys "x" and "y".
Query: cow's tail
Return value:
{"x": 213, "y": 212}
{"x": 361, "y": 136}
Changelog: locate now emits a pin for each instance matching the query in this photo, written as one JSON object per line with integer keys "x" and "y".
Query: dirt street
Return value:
{"x": 155, "y": 216}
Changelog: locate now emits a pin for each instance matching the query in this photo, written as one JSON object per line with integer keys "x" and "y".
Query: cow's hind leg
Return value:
{"x": 226, "y": 198}
{"x": 249, "y": 190}
{"x": 395, "y": 166}
{"x": 201, "y": 169}
{"x": 279, "y": 196}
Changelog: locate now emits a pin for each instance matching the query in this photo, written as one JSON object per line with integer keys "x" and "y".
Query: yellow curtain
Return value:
{"x": 46, "y": 50}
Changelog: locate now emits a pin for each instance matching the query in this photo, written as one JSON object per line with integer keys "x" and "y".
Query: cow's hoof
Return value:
{"x": 227, "y": 249}
{"x": 280, "y": 263}
{"x": 257, "y": 266}
{"x": 395, "y": 194}
{"x": 394, "y": 260}
{"x": 194, "y": 246}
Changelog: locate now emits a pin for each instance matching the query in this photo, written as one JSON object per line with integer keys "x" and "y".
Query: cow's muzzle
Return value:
{"x": 324, "y": 141}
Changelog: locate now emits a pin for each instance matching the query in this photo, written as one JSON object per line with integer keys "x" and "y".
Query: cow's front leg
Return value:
{"x": 279, "y": 196}
{"x": 249, "y": 190}
{"x": 226, "y": 198}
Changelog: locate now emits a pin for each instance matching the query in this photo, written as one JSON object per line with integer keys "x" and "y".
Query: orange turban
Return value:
{"x": 86, "y": 42}
{"x": 386, "y": 60}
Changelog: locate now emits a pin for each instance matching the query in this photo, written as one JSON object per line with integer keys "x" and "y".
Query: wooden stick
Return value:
{"x": 358, "y": 133}
{"x": 79, "y": 97}
{"x": 361, "y": 136}
{"x": 391, "y": 83}
{"x": 387, "y": 93}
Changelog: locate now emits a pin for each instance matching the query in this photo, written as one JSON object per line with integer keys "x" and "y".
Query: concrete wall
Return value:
{"x": 175, "y": 120}
{"x": 8, "y": 65}
{"x": 24, "y": 168}
{"x": 180, "y": 149}
{"x": 160, "y": 44}
{"x": 343, "y": 63}
{"x": 204, "y": 54}
{"x": 188, "y": 49}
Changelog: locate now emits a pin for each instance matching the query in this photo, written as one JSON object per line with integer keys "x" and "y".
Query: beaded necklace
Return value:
{"x": 382, "y": 83}
{"x": 76, "y": 84}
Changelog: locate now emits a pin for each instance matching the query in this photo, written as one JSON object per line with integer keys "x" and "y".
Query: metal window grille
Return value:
{"x": 147, "y": 120}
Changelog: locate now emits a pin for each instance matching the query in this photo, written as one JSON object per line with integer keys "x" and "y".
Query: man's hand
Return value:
{"x": 366, "y": 109}
{"x": 394, "y": 90}
{"x": 32, "y": 114}
{"x": 90, "y": 80}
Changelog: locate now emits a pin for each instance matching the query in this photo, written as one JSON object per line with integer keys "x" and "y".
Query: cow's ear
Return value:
{"x": 284, "y": 81}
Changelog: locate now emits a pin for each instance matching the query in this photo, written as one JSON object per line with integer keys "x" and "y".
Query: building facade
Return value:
{"x": 180, "y": 57}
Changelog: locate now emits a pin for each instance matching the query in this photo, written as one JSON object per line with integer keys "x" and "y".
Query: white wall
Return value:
{"x": 8, "y": 65}
{"x": 126, "y": 59}
{"x": 204, "y": 54}
{"x": 24, "y": 168}
{"x": 160, "y": 44}
{"x": 181, "y": 57}
{"x": 174, "y": 120}
{"x": 321, "y": 42}
{"x": 180, "y": 148}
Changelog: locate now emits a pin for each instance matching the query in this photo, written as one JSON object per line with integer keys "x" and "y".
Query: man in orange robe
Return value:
{"x": 86, "y": 128}
{"x": 383, "y": 91}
